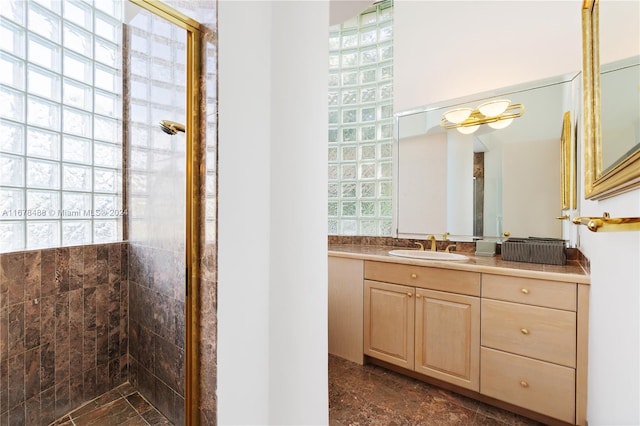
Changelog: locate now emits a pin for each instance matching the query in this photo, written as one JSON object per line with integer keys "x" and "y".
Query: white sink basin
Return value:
{"x": 428, "y": 254}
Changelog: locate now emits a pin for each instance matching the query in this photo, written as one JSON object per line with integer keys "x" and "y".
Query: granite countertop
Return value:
{"x": 571, "y": 272}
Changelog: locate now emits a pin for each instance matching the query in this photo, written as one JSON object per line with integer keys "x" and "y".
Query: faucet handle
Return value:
{"x": 445, "y": 237}
{"x": 420, "y": 245}
{"x": 450, "y": 246}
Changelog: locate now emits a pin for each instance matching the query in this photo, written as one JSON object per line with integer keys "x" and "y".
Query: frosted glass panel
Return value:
{"x": 14, "y": 10}
{"x": 76, "y": 178}
{"x": 107, "y": 155}
{"x": 12, "y": 72}
{"x": 44, "y": 22}
{"x": 11, "y": 200}
{"x": 78, "y": 13}
{"x": 106, "y": 104}
{"x": 43, "y": 174}
{"x": 52, "y": 114}
{"x": 105, "y": 231}
{"x": 43, "y": 113}
{"x": 78, "y": 40}
{"x": 74, "y": 201}
{"x": 77, "y": 150}
{"x": 106, "y": 52}
{"x": 77, "y": 122}
{"x": 13, "y": 137}
{"x": 11, "y": 236}
{"x": 43, "y": 204}
{"x": 360, "y": 123}
{"x": 11, "y": 170}
{"x": 76, "y": 232}
{"x": 43, "y": 83}
{"x": 43, "y": 234}
{"x": 106, "y": 129}
{"x": 106, "y": 180}
{"x": 76, "y": 94}
{"x": 78, "y": 68}
{"x": 11, "y": 104}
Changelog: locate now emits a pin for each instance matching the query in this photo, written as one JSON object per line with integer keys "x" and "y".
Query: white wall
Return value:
{"x": 614, "y": 320}
{"x": 458, "y": 48}
{"x": 272, "y": 279}
{"x": 440, "y": 53}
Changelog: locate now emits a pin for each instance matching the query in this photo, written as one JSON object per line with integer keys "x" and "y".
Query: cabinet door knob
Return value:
{"x": 414, "y": 275}
{"x": 525, "y": 291}
{"x": 409, "y": 294}
{"x": 524, "y": 331}
{"x": 524, "y": 384}
{"x": 418, "y": 296}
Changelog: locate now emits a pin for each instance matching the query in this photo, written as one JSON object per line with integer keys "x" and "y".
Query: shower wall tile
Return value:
{"x": 32, "y": 268}
{"x": 63, "y": 329}
{"x": 157, "y": 327}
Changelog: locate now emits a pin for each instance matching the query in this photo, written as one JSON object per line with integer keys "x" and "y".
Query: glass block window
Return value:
{"x": 60, "y": 112}
{"x": 361, "y": 123}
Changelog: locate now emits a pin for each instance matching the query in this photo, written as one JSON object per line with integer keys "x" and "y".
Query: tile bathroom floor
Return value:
{"x": 370, "y": 395}
{"x": 121, "y": 406}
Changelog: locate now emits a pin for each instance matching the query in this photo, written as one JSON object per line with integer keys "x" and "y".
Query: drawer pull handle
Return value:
{"x": 524, "y": 331}
{"x": 525, "y": 291}
{"x": 414, "y": 276}
{"x": 524, "y": 384}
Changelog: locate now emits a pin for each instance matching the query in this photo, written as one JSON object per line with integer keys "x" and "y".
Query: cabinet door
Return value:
{"x": 448, "y": 337}
{"x": 389, "y": 322}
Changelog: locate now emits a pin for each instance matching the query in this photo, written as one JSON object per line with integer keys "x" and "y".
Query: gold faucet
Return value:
{"x": 433, "y": 242}
{"x": 445, "y": 237}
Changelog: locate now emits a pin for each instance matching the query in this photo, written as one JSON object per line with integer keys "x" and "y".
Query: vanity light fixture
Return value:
{"x": 497, "y": 114}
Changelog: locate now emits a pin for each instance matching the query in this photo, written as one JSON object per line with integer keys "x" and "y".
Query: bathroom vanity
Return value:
{"x": 507, "y": 333}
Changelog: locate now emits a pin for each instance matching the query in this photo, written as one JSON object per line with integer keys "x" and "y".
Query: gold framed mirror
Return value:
{"x": 568, "y": 169}
{"x": 624, "y": 174}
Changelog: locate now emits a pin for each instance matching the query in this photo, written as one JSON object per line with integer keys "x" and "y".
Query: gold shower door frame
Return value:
{"x": 193, "y": 204}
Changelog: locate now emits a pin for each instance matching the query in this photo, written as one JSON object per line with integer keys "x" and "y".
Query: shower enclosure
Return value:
{"x": 87, "y": 303}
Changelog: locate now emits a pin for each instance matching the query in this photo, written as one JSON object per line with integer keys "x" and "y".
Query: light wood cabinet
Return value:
{"x": 389, "y": 322}
{"x": 447, "y": 337}
{"x": 539, "y": 386}
{"x": 532, "y": 345}
{"x": 345, "y": 308}
{"x": 432, "y": 332}
{"x": 513, "y": 340}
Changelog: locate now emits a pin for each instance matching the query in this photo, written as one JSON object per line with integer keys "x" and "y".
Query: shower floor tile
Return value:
{"x": 121, "y": 406}
{"x": 372, "y": 395}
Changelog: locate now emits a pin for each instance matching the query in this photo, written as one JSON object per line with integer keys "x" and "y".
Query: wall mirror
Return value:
{"x": 481, "y": 185}
{"x": 611, "y": 102}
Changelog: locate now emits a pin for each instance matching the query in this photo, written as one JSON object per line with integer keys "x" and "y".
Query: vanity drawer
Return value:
{"x": 551, "y": 294}
{"x": 452, "y": 281}
{"x": 536, "y": 385}
{"x": 541, "y": 333}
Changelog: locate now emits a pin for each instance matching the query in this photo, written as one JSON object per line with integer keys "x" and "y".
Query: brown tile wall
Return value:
{"x": 157, "y": 327}
{"x": 63, "y": 329}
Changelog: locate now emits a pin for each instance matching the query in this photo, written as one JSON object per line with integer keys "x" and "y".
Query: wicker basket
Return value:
{"x": 547, "y": 251}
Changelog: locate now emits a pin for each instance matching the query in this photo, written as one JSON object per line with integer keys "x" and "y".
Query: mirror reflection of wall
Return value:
{"x": 488, "y": 182}
{"x": 619, "y": 109}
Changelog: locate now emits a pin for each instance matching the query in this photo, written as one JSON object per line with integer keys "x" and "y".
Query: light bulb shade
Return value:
{"x": 500, "y": 124}
{"x": 457, "y": 115}
{"x": 494, "y": 108}
{"x": 467, "y": 130}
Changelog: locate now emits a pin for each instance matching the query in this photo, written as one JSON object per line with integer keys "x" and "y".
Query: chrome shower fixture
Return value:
{"x": 171, "y": 127}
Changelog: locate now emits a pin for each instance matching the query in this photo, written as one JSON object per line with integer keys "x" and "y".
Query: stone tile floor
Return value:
{"x": 371, "y": 395}
{"x": 121, "y": 406}
{"x": 358, "y": 395}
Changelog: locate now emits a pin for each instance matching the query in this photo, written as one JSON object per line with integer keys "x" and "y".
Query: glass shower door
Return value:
{"x": 157, "y": 182}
